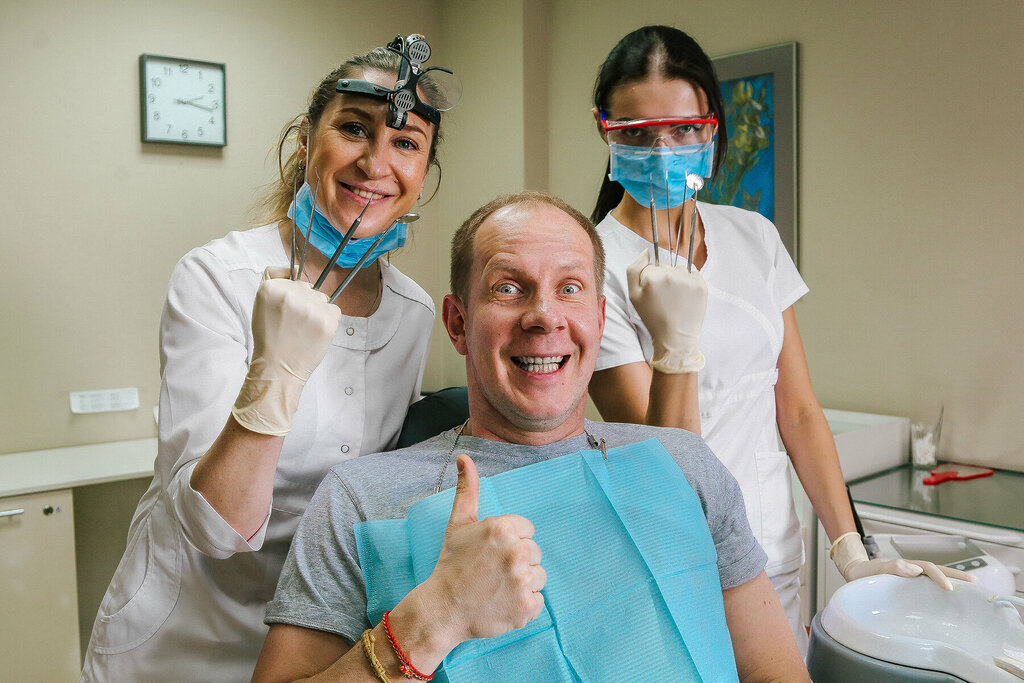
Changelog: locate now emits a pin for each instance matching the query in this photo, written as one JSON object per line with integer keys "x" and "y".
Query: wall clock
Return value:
{"x": 182, "y": 101}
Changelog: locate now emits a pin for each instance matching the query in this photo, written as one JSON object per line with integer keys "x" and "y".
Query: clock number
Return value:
{"x": 168, "y": 71}
{"x": 200, "y": 131}
{"x": 183, "y": 68}
{"x": 184, "y": 134}
{"x": 168, "y": 127}
{"x": 156, "y": 116}
{"x": 209, "y": 88}
{"x": 212, "y": 121}
{"x": 151, "y": 99}
{"x": 215, "y": 104}
{"x": 156, "y": 81}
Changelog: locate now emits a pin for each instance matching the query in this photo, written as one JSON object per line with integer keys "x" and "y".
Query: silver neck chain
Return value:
{"x": 448, "y": 458}
{"x": 593, "y": 442}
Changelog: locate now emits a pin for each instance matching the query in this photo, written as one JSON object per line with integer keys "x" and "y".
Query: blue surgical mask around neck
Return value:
{"x": 326, "y": 238}
{"x": 636, "y": 167}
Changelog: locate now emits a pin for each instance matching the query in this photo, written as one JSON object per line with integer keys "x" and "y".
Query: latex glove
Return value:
{"x": 488, "y": 577}
{"x": 292, "y": 326}
{"x": 671, "y": 302}
{"x": 852, "y": 561}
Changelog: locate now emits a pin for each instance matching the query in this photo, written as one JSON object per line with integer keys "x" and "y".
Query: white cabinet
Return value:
{"x": 38, "y": 595}
{"x": 39, "y": 562}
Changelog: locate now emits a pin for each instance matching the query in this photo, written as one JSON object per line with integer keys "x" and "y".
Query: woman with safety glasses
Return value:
{"x": 705, "y": 337}
{"x": 284, "y": 350}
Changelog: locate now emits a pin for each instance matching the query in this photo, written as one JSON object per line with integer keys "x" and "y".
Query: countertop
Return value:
{"x": 61, "y": 468}
{"x": 997, "y": 500}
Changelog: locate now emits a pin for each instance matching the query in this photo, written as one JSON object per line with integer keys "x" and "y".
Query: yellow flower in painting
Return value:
{"x": 748, "y": 137}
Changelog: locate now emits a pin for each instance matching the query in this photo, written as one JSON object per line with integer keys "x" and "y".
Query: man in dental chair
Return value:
{"x": 568, "y": 549}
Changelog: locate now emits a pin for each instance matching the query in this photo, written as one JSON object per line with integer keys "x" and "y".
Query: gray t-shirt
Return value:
{"x": 321, "y": 585}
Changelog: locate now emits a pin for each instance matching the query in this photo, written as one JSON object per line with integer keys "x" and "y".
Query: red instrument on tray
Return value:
{"x": 955, "y": 470}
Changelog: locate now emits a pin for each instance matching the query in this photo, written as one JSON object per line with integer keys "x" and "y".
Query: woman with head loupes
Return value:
{"x": 658, "y": 106}
{"x": 267, "y": 383}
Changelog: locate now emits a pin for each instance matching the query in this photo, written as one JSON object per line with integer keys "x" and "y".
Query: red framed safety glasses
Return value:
{"x": 676, "y": 131}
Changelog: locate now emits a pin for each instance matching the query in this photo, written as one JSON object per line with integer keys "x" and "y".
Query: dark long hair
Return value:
{"x": 675, "y": 55}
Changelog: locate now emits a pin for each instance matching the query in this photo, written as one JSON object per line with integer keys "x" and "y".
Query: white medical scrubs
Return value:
{"x": 751, "y": 280}
{"x": 187, "y": 600}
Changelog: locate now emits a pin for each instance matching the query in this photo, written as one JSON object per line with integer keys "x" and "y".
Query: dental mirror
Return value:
{"x": 695, "y": 183}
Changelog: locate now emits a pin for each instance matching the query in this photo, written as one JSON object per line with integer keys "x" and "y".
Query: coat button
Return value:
{"x": 350, "y": 331}
{"x": 348, "y": 391}
{"x": 344, "y": 448}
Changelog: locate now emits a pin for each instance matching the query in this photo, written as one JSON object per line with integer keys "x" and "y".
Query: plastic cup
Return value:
{"x": 923, "y": 444}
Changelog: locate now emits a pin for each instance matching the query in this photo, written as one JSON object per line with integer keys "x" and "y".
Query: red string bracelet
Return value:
{"x": 406, "y": 667}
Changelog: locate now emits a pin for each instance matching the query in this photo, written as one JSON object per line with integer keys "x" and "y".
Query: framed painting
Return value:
{"x": 759, "y": 173}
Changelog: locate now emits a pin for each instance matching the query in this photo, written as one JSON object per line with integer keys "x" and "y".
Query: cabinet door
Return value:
{"x": 38, "y": 595}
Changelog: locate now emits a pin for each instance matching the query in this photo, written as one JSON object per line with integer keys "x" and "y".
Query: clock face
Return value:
{"x": 182, "y": 101}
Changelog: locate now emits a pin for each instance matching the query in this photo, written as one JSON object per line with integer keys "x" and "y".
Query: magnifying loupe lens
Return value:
{"x": 440, "y": 89}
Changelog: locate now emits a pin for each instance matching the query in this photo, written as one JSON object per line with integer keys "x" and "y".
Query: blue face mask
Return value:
{"x": 635, "y": 167}
{"x": 326, "y": 239}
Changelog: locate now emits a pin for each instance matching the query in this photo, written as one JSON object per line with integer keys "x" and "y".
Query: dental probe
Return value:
{"x": 654, "y": 225}
{"x": 291, "y": 255}
{"x": 309, "y": 228}
{"x": 341, "y": 247}
{"x": 695, "y": 183}
{"x": 405, "y": 218}
{"x": 679, "y": 235}
{"x": 668, "y": 212}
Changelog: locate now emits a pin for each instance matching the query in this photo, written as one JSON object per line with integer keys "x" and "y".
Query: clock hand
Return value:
{"x": 194, "y": 104}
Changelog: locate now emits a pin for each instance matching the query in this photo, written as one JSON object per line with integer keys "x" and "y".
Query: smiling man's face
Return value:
{"x": 531, "y": 325}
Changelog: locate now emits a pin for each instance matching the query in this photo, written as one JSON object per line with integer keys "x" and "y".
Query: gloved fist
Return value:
{"x": 852, "y": 561}
{"x": 671, "y": 302}
{"x": 488, "y": 577}
{"x": 292, "y": 326}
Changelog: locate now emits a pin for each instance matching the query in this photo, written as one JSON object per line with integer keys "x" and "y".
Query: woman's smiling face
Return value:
{"x": 355, "y": 154}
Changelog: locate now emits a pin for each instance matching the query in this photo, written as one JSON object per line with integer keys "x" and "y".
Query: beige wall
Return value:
{"x": 908, "y": 111}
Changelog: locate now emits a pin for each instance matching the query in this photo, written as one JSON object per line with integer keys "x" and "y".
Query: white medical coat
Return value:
{"x": 187, "y": 600}
{"x": 751, "y": 280}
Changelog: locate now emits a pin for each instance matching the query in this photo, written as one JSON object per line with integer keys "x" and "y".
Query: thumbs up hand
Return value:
{"x": 488, "y": 578}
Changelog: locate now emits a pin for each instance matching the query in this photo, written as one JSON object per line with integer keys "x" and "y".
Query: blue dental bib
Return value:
{"x": 633, "y": 589}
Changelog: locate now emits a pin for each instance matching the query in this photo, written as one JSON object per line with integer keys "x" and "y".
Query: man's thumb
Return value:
{"x": 467, "y": 492}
